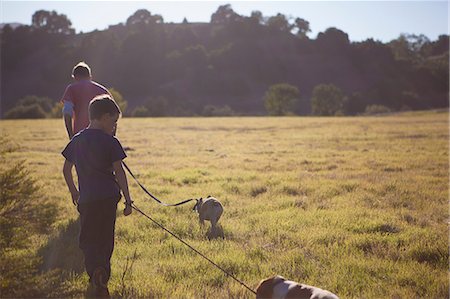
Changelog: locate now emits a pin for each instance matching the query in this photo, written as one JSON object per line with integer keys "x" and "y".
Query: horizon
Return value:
{"x": 359, "y": 19}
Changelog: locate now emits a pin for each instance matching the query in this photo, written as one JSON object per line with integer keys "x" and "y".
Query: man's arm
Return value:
{"x": 67, "y": 171}
{"x": 123, "y": 184}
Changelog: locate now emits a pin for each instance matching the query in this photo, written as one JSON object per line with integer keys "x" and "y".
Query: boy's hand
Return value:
{"x": 75, "y": 197}
{"x": 128, "y": 209}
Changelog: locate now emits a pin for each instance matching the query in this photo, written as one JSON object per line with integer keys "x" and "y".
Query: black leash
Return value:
{"x": 151, "y": 195}
{"x": 198, "y": 252}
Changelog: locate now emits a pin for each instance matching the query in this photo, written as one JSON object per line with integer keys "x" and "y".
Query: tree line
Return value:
{"x": 233, "y": 65}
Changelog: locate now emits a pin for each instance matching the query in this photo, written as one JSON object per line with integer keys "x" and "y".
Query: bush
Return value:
{"x": 280, "y": 99}
{"x": 45, "y": 103}
{"x": 157, "y": 106}
{"x": 56, "y": 111}
{"x": 327, "y": 99}
{"x": 211, "y": 110}
{"x": 22, "y": 216}
{"x": 117, "y": 96}
{"x": 19, "y": 112}
{"x": 140, "y": 111}
{"x": 34, "y": 107}
{"x": 376, "y": 109}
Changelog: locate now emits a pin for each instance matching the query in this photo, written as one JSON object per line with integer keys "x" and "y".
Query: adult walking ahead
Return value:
{"x": 77, "y": 96}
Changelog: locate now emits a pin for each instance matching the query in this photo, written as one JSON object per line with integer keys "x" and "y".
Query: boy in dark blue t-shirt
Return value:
{"x": 97, "y": 156}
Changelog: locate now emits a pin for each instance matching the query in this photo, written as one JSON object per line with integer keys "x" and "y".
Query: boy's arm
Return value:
{"x": 68, "y": 123}
{"x": 67, "y": 171}
{"x": 67, "y": 110}
{"x": 122, "y": 180}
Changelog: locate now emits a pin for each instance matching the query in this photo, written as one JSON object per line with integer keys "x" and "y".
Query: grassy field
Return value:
{"x": 358, "y": 206}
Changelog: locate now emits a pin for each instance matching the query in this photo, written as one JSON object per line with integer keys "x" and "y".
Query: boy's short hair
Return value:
{"x": 81, "y": 70}
{"x": 101, "y": 105}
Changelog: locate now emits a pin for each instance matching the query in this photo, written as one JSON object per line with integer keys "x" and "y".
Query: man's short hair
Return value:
{"x": 81, "y": 70}
{"x": 101, "y": 105}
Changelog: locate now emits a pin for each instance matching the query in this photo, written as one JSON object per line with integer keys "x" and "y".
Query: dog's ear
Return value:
{"x": 209, "y": 196}
{"x": 196, "y": 204}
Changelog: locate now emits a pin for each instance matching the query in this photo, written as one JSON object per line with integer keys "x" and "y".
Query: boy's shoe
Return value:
{"x": 100, "y": 283}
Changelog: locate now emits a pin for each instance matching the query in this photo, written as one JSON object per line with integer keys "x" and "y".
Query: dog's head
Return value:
{"x": 198, "y": 204}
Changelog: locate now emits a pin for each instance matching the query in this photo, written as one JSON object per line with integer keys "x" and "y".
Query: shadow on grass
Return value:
{"x": 62, "y": 252}
{"x": 63, "y": 262}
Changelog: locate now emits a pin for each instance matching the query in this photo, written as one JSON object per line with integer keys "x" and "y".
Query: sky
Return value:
{"x": 380, "y": 20}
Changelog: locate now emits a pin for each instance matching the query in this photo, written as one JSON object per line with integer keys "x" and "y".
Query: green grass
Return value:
{"x": 358, "y": 206}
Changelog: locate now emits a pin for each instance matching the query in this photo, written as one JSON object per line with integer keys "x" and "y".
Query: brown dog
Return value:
{"x": 278, "y": 287}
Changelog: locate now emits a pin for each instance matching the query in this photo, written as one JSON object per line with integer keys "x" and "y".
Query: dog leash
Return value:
{"x": 192, "y": 248}
{"x": 151, "y": 195}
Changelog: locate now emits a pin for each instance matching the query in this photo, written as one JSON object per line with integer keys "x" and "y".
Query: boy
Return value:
{"x": 77, "y": 96}
{"x": 96, "y": 154}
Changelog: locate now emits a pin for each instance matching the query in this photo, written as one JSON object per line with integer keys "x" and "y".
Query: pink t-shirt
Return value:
{"x": 80, "y": 93}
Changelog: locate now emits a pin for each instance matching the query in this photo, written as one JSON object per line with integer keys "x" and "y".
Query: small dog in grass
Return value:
{"x": 278, "y": 287}
{"x": 209, "y": 209}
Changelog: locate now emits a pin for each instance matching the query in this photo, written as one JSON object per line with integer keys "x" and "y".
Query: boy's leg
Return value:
{"x": 89, "y": 235}
{"x": 108, "y": 216}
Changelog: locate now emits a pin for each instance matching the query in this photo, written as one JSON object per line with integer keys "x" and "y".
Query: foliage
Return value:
{"x": 29, "y": 111}
{"x": 224, "y": 15}
{"x": 211, "y": 110}
{"x": 302, "y": 27}
{"x": 376, "y": 109}
{"x": 34, "y": 107}
{"x": 143, "y": 17}
{"x": 280, "y": 23}
{"x": 140, "y": 111}
{"x": 281, "y": 98}
{"x": 23, "y": 214}
{"x": 56, "y": 111}
{"x": 44, "y": 102}
{"x": 52, "y": 22}
{"x": 117, "y": 96}
{"x": 327, "y": 99}
{"x": 229, "y": 61}
{"x": 153, "y": 107}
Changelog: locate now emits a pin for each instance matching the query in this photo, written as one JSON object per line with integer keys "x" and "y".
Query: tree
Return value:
{"x": 144, "y": 17}
{"x": 281, "y": 98}
{"x": 225, "y": 15}
{"x": 280, "y": 22}
{"x": 117, "y": 96}
{"x": 327, "y": 99}
{"x": 52, "y": 22}
{"x": 333, "y": 40}
{"x": 302, "y": 27}
{"x": 257, "y": 17}
{"x": 410, "y": 47}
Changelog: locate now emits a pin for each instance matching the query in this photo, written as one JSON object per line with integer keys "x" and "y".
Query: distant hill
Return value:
{"x": 13, "y": 25}
{"x": 227, "y": 64}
